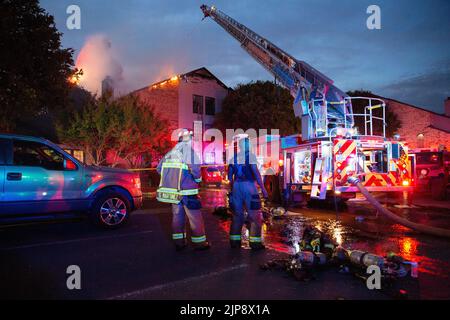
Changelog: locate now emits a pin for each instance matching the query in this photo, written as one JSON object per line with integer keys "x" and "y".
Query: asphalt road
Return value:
{"x": 138, "y": 261}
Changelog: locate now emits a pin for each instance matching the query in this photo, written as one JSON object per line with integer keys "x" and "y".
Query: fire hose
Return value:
{"x": 412, "y": 225}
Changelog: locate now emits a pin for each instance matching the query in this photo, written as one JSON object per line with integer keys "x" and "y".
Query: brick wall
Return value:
{"x": 164, "y": 100}
{"x": 416, "y": 121}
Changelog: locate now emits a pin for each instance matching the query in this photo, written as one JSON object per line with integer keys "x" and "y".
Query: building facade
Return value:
{"x": 422, "y": 128}
{"x": 184, "y": 99}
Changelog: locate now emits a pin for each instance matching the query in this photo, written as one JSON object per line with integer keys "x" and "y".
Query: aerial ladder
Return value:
{"x": 321, "y": 106}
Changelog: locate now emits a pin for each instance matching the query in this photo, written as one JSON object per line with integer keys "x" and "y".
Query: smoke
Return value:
{"x": 98, "y": 60}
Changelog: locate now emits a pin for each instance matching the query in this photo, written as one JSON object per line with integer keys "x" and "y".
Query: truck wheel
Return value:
{"x": 438, "y": 188}
{"x": 111, "y": 210}
{"x": 272, "y": 186}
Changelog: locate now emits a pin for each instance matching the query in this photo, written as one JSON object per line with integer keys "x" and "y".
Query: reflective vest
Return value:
{"x": 171, "y": 188}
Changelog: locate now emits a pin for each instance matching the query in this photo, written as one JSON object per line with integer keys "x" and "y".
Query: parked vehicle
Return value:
{"x": 211, "y": 175}
{"x": 433, "y": 172}
{"x": 39, "y": 180}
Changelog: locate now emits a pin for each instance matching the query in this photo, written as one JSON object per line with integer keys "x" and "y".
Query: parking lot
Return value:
{"x": 138, "y": 261}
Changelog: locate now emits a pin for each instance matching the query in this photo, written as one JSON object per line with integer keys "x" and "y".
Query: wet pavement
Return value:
{"x": 138, "y": 261}
{"x": 357, "y": 226}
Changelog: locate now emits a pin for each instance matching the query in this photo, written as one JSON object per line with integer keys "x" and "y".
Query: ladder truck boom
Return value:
{"x": 319, "y": 104}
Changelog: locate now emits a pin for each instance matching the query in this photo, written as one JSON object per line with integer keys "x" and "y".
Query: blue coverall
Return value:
{"x": 243, "y": 179}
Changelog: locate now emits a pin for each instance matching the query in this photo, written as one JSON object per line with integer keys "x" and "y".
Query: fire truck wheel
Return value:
{"x": 272, "y": 186}
{"x": 437, "y": 188}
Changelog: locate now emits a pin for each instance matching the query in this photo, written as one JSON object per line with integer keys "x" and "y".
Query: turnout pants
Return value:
{"x": 189, "y": 206}
{"x": 245, "y": 196}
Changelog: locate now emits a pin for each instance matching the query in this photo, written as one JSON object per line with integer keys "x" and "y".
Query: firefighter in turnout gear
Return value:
{"x": 180, "y": 172}
{"x": 243, "y": 175}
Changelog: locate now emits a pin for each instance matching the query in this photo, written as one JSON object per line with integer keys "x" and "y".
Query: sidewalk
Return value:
{"x": 425, "y": 201}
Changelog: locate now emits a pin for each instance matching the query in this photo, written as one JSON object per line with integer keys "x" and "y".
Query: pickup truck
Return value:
{"x": 39, "y": 180}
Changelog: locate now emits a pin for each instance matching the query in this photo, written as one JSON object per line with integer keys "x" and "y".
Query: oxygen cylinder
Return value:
{"x": 306, "y": 257}
{"x": 311, "y": 258}
{"x": 362, "y": 258}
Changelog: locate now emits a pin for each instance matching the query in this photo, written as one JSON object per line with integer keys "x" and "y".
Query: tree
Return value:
{"x": 125, "y": 128}
{"x": 392, "y": 121}
{"x": 258, "y": 105}
{"x": 142, "y": 137}
{"x": 33, "y": 67}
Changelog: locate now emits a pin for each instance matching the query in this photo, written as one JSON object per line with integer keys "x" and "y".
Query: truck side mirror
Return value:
{"x": 70, "y": 165}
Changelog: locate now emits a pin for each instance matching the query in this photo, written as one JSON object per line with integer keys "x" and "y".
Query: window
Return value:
{"x": 428, "y": 158}
{"x": 210, "y": 106}
{"x": 33, "y": 154}
{"x": 197, "y": 104}
{"x": 79, "y": 155}
{"x": 420, "y": 140}
{"x": 4, "y": 148}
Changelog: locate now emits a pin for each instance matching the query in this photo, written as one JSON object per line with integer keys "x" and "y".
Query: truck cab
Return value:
{"x": 433, "y": 172}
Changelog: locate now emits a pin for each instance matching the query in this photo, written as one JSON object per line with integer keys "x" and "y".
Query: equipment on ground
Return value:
{"x": 303, "y": 265}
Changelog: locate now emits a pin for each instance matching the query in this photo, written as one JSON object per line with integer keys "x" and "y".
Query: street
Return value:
{"x": 138, "y": 261}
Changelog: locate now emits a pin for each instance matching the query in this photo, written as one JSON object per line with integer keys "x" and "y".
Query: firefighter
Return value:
{"x": 243, "y": 175}
{"x": 180, "y": 172}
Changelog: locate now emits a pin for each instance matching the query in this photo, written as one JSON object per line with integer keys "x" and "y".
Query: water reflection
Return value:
{"x": 372, "y": 235}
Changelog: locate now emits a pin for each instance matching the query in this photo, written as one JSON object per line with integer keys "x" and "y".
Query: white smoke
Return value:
{"x": 98, "y": 60}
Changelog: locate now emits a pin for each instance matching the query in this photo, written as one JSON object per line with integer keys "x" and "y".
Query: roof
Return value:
{"x": 436, "y": 128}
{"x": 412, "y": 106}
{"x": 200, "y": 72}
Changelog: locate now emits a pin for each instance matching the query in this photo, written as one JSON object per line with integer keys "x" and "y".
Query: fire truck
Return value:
{"x": 330, "y": 149}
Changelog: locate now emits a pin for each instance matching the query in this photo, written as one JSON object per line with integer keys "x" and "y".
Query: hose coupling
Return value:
{"x": 354, "y": 180}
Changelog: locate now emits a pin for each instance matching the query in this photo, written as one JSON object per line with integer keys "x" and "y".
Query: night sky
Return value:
{"x": 408, "y": 59}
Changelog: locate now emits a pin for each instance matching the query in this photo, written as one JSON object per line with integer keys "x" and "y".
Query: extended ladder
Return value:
{"x": 302, "y": 80}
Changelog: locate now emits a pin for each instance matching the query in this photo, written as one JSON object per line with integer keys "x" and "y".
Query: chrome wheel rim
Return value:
{"x": 113, "y": 211}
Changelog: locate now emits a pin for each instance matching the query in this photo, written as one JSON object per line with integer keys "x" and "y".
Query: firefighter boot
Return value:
{"x": 255, "y": 217}
{"x": 178, "y": 227}
{"x": 235, "y": 241}
{"x": 202, "y": 246}
{"x": 236, "y": 229}
{"x": 180, "y": 241}
{"x": 257, "y": 246}
{"x": 180, "y": 247}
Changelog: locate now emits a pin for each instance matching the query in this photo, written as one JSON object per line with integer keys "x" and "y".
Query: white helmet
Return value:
{"x": 184, "y": 135}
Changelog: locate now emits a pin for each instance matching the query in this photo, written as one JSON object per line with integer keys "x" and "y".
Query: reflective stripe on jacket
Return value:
{"x": 178, "y": 178}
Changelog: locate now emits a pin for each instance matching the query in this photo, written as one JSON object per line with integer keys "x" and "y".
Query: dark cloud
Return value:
{"x": 156, "y": 38}
{"x": 426, "y": 90}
